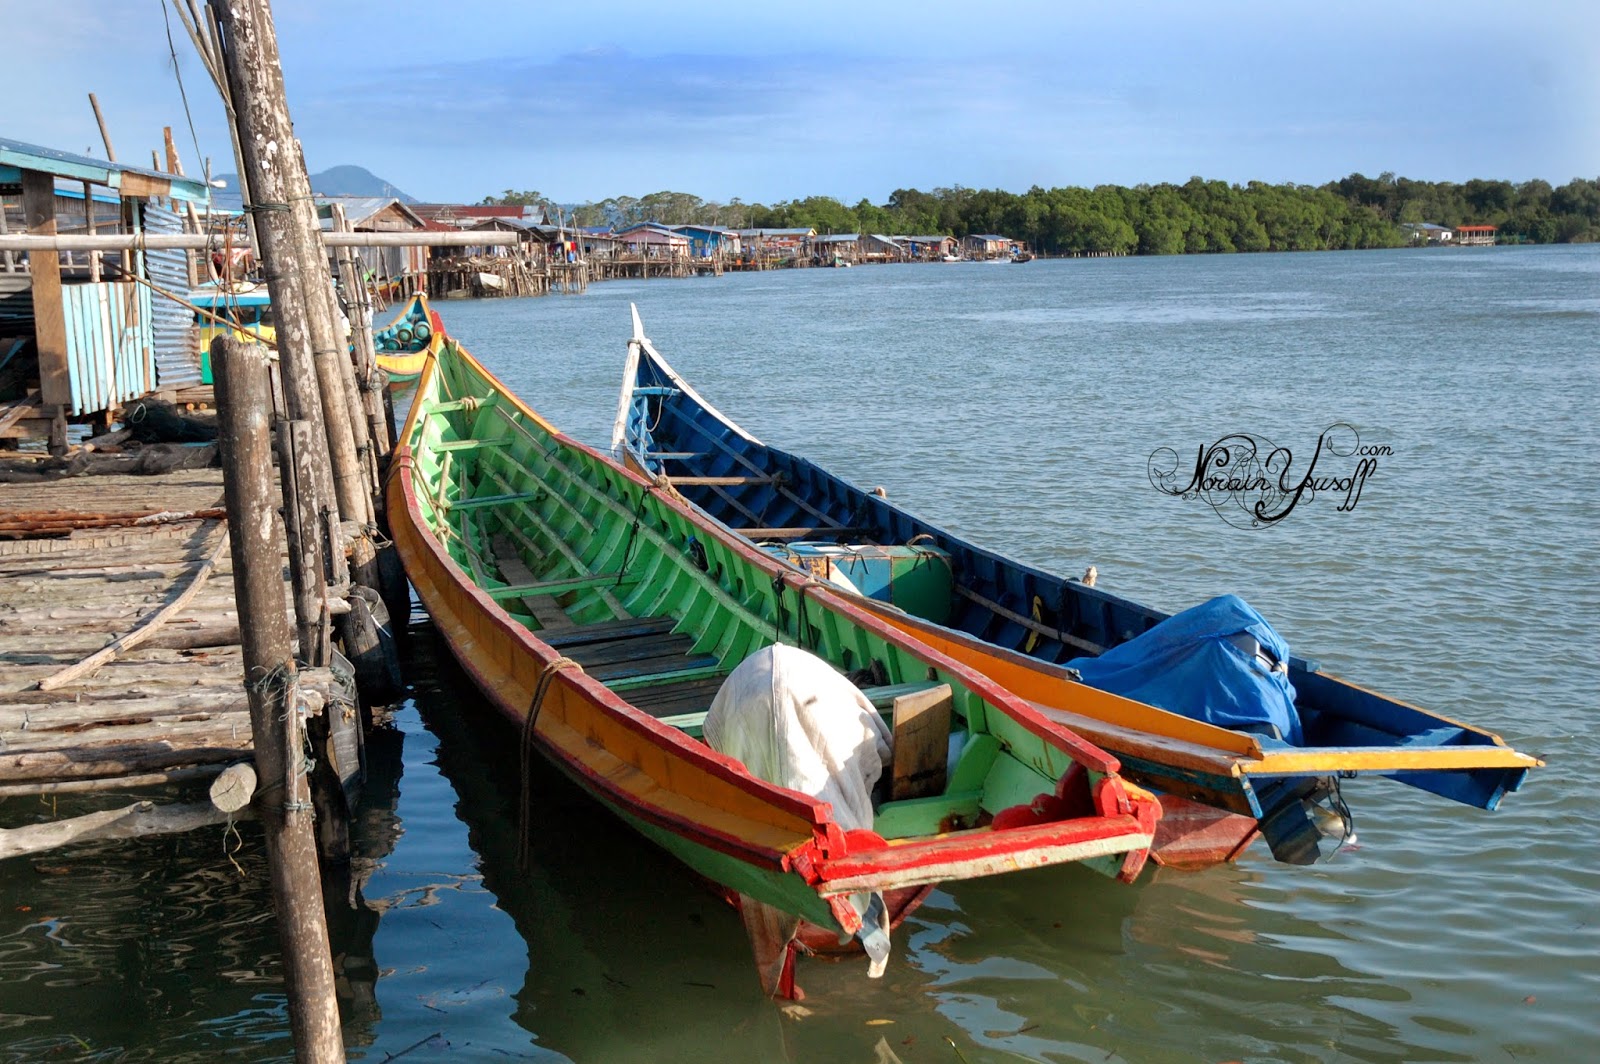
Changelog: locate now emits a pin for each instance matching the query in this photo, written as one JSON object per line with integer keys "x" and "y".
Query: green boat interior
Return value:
{"x": 614, "y": 578}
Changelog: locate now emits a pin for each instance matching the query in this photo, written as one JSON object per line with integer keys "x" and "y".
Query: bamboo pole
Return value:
{"x": 302, "y": 528}
{"x": 105, "y": 135}
{"x": 244, "y": 403}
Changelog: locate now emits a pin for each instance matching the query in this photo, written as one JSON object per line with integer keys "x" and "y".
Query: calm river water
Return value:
{"x": 1018, "y": 406}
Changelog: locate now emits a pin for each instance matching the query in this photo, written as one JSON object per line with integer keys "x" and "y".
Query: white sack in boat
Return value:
{"x": 796, "y": 722}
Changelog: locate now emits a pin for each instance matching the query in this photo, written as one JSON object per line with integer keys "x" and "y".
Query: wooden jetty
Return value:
{"x": 120, "y": 660}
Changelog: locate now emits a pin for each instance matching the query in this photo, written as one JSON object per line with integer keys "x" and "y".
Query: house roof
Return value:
{"x": 650, "y": 234}
{"x": 133, "y": 182}
{"x": 989, "y": 236}
{"x": 359, "y": 210}
{"x": 464, "y": 214}
{"x": 837, "y": 238}
{"x": 776, "y": 232}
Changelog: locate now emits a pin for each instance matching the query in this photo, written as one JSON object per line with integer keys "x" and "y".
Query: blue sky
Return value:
{"x": 773, "y": 101}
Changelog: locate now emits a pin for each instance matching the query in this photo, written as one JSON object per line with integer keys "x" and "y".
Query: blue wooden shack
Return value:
{"x": 100, "y": 334}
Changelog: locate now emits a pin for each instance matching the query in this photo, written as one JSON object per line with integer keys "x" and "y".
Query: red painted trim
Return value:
{"x": 981, "y": 843}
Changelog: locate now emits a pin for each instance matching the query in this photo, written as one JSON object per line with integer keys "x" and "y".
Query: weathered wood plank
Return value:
{"x": 921, "y": 742}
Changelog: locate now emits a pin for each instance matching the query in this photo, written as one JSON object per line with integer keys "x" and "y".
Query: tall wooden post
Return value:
{"x": 368, "y": 379}
{"x": 266, "y": 146}
{"x": 244, "y": 407}
{"x": 310, "y": 348}
{"x": 49, "y": 313}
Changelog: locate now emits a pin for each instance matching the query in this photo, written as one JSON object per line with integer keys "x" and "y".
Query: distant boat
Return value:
{"x": 1022, "y": 256}
{"x": 1019, "y": 625}
{"x": 950, "y": 258}
{"x": 246, "y": 310}
{"x": 601, "y": 615}
{"x": 406, "y": 343}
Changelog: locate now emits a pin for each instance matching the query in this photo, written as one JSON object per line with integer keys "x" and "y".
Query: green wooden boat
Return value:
{"x": 600, "y": 614}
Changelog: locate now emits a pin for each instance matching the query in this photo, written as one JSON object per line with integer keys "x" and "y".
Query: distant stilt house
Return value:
{"x": 654, "y": 242}
{"x": 836, "y": 249}
{"x": 84, "y": 333}
{"x": 597, "y": 242}
{"x": 1476, "y": 235}
{"x": 710, "y": 241}
{"x": 987, "y": 246}
{"x": 774, "y": 246}
{"x": 875, "y": 247}
{"x": 927, "y": 248}
{"x": 1429, "y": 233}
{"x": 404, "y": 269}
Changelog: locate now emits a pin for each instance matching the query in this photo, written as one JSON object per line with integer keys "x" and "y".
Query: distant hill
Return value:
{"x": 339, "y": 181}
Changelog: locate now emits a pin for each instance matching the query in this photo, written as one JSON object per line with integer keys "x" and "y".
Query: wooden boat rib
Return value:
{"x": 406, "y": 343}
{"x": 600, "y": 613}
{"x": 1017, "y": 624}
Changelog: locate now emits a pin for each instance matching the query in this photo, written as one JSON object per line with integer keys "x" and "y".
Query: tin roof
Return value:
{"x": 133, "y": 182}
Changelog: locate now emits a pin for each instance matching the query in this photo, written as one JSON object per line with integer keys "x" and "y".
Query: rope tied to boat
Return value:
{"x": 529, "y": 726}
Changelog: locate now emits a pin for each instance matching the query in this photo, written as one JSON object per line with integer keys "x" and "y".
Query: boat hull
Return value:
{"x": 1019, "y": 625}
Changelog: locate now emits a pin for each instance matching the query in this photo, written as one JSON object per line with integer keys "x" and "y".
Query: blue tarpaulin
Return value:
{"x": 1218, "y": 662}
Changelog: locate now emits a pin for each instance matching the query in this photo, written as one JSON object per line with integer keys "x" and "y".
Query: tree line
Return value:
{"x": 1166, "y": 219}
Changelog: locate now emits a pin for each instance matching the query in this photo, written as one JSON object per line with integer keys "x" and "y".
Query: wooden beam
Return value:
{"x": 134, "y": 821}
{"x": 49, "y": 314}
{"x": 799, "y": 531}
{"x": 1028, "y": 622}
{"x": 417, "y": 238}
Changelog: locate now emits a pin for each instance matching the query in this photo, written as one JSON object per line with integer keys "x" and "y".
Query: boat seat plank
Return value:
{"x": 559, "y": 586}
{"x": 603, "y": 631}
{"x": 632, "y": 648}
{"x": 543, "y": 607}
{"x": 665, "y": 663}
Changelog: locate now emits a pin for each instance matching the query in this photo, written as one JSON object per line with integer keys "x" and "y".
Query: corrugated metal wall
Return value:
{"x": 177, "y": 350}
{"x": 109, "y": 357}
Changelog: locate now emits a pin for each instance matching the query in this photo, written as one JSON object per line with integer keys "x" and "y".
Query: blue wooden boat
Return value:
{"x": 1021, "y": 624}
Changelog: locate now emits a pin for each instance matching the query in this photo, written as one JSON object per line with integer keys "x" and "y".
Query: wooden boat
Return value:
{"x": 600, "y": 614}
{"x": 246, "y": 307}
{"x": 1018, "y": 624}
{"x": 407, "y": 342}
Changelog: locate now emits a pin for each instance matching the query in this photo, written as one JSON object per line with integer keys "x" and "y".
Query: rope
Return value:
{"x": 529, "y": 727}
{"x": 176, "y": 73}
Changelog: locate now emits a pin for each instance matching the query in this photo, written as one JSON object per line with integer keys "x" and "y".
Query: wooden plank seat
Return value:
{"x": 607, "y": 630}
{"x": 646, "y": 653}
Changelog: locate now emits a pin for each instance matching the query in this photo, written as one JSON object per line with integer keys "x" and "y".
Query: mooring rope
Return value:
{"x": 529, "y": 726}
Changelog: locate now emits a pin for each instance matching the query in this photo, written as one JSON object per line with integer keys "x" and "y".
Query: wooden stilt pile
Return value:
{"x": 277, "y": 724}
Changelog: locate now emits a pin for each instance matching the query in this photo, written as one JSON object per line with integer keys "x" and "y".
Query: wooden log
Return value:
{"x": 110, "y": 783}
{"x": 124, "y": 760}
{"x": 233, "y": 788}
{"x": 134, "y": 821}
{"x": 146, "y": 628}
{"x": 244, "y": 403}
